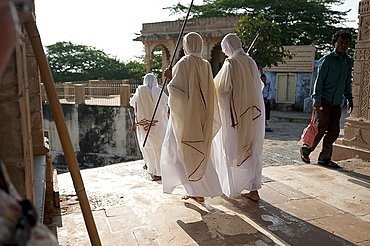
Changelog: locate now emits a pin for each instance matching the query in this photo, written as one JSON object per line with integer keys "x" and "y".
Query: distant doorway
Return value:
{"x": 218, "y": 58}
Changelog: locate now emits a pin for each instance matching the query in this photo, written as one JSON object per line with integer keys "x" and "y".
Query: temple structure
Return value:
{"x": 356, "y": 141}
{"x": 23, "y": 148}
{"x": 165, "y": 34}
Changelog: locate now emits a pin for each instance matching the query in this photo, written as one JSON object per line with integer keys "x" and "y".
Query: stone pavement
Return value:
{"x": 301, "y": 204}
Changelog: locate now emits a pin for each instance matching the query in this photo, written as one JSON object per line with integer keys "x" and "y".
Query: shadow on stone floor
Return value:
{"x": 223, "y": 228}
{"x": 220, "y": 228}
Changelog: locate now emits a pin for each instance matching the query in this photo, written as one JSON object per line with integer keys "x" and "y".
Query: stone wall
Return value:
{"x": 101, "y": 135}
{"x": 16, "y": 145}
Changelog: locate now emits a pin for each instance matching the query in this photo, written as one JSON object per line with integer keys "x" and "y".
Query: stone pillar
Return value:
{"x": 124, "y": 95}
{"x": 148, "y": 57}
{"x": 79, "y": 93}
{"x": 356, "y": 141}
{"x": 68, "y": 90}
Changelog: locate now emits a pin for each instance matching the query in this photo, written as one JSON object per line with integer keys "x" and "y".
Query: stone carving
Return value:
{"x": 364, "y": 7}
{"x": 364, "y": 97}
{"x": 358, "y": 140}
{"x": 364, "y": 28}
{"x": 357, "y": 127}
{"x": 362, "y": 54}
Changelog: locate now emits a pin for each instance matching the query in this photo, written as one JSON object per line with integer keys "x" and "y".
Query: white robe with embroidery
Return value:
{"x": 144, "y": 102}
{"x": 194, "y": 121}
{"x": 239, "y": 166}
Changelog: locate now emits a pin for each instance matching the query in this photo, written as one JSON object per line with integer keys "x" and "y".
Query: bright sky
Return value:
{"x": 111, "y": 25}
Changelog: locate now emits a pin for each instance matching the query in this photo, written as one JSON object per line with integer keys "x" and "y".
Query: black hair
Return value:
{"x": 341, "y": 33}
{"x": 263, "y": 75}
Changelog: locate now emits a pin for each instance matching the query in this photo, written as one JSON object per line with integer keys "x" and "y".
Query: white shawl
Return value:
{"x": 144, "y": 102}
{"x": 244, "y": 103}
{"x": 194, "y": 112}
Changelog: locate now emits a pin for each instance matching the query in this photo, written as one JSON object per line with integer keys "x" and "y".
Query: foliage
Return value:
{"x": 267, "y": 49}
{"x": 72, "y": 62}
{"x": 302, "y": 22}
{"x": 156, "y": 64}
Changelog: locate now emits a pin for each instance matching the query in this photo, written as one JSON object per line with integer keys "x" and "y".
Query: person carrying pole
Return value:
{"x": 194, "y": 120}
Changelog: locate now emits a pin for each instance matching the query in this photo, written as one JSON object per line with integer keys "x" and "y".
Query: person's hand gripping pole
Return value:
{"x": 169, "y": 69}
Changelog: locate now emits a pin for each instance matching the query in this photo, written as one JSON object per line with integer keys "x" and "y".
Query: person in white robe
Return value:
{"x": 239, "y": 143}
{"x": 144, "y": 102}
{"x": 194, "y": 121}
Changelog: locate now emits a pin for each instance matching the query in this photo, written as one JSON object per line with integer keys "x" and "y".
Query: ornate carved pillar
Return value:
{"x": 356, "y": 141}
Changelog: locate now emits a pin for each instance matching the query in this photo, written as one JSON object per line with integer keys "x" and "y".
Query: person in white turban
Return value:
{"x": 194, "y": 121}
{"x": 239, "y": 143}
{"x": 144, "y": 102}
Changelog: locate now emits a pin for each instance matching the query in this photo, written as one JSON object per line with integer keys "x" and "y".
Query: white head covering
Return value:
{"x": 193, "y": 44}
{"x": 236, "y": 78}
{"x": 150, "y": 80}
{"x": 231, "y": 44}
{"x": 194, "y": 110}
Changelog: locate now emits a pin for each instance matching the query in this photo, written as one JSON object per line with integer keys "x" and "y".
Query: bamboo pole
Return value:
{"x": 61, "y": 125}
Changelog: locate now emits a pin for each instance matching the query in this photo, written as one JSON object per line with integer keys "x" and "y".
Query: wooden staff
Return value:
{"x": 62, "y": 129}
{"x": 170, "y": 66}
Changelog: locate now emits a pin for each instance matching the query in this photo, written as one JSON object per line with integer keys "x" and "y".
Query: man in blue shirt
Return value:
{"x": 333, "y": 81}
{"x": 266, "y": 92}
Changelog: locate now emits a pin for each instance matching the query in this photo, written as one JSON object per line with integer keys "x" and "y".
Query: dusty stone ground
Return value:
{"x": 281, "y": 148}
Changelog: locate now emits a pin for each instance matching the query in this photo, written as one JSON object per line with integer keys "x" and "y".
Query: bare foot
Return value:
{"x": 196, "y": 198}
{"x": 253, "y": 195}
{"x": 145, "y": 167}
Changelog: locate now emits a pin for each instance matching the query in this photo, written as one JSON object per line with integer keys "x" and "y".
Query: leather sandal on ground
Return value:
{"x": 330, "y": 164}
{"x": 156, "y": 178}
{"x": 304, "y": 157}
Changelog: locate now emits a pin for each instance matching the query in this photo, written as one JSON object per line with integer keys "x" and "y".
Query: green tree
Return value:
{"x": 267, "y": 49}
{"x": 72, "y": 62}
{"x": 136, "y": 70}
{"x": 156, "y": 64}
{"x": 302, "y": 22}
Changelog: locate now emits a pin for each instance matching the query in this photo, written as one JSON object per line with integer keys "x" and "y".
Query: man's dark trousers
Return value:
{"x": 328, "y": 123}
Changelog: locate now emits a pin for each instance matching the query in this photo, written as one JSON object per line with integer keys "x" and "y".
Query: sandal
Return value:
{"x": 156, "y": 178}
{"x": 304, "y": 157}
{"x": 330, "y": 164}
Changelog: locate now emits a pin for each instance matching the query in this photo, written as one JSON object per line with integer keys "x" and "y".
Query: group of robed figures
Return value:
{"x": 207, "y": 136}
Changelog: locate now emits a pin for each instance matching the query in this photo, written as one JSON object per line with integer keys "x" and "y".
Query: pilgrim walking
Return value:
{"x": 194, "y": 120}
{"x": 144, "y": 102}
{"x": 239, "y": 143}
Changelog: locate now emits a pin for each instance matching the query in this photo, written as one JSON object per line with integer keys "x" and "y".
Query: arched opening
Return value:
{"x": 159, "y": 62}
{"x": 217, "y": 59}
